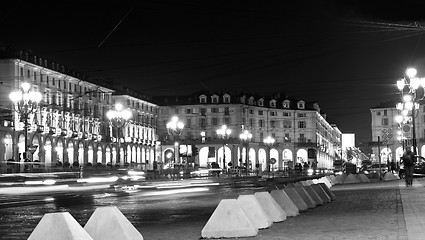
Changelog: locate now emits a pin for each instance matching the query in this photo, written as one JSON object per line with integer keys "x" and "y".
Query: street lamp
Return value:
{"x": 224, "y": 134}
{"x": 246, "y": 137}
{"x": 408, "y": 87}
{"x": 119, "y": 118}
{"x": 25, "y": 102}
{"x": 174, "y": 128}
{"x": 268, "y": 141}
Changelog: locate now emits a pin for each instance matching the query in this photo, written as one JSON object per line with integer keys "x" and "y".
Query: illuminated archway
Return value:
{"x": 59, "y": 150}
{"x": 81, "y": 153}
{"x": 99, "y": 154}
{"x": 262, "y": 159}
{"x": 287, "y": 158}
{"x": 70, "y": 151}
{"x": 8, "y": 147}
{"x": 274, "y": 154}
{"x": 228, "y": 155}
{"x": 252, "y": 158}
{"x": 48, "y": 153}
{"x": 302, "y": 156}
{"x": 90, "y": 153}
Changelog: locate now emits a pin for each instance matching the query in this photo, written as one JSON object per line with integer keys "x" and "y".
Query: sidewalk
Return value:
{"x": 413, "y": 199}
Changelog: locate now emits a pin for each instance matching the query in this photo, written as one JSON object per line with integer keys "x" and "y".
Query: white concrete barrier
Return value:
{"x": 389, "y": 176}
{"x": 340, "y": 178}
{"x": 306, "y": 197}
{"x": 316, "y": 198}
{"x": 310, "y": 182}
{"x": 228, "y": 221}
{"x": 270, "y": 206}
{"x": 326, "y": 181}
{"x": 363, "y": 178}
{"x": 61, "y": 225}
{"x": 322, "y": 194}
{"x": 304, "y": 183}
{"x": 296, "y": 199}
{"x": 298, "y": 184}
{"x": 253, "y": 210}
{"x": 350, "y": 179}
{"x": 285, "y": 203}
{"x": 333, "y": 179}
{"x": 328, "y": 191}
{"x": 108, "y": 223}
{"x": 330, "y": 180}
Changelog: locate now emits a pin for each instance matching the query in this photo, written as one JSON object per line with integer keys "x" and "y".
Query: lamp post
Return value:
{"x": 246, "y": 137}
{"x": 224, "y": 134}
{"x": 174, "y": 129}
{"x": 408, "y": 87}
{"x": 25, "y": 102}
{"x": 268, "y": 141}
{"x": 119, "y": 119}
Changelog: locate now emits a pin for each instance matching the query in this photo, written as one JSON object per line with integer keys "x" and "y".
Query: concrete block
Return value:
{"x": 330, "y": 180}
{"x": 363, "y": 178}
{"x": 326, "y": 181}
{"x": 270, "y": 206}
{"x": 298, "y": 184}
{"x": 389, "y": 176}
{"x": 290, "y": 185}
{"x": 59, "y": 225}
{"x": 350, "y": 179}
{"x": 296, "y": 199}
{"x": 285, "y": 203}
{"x": 322, "y": 194}
{"x": 253, "y": 210}
{"x": 304, "y": 183}
{"x": 310, "y": 182}
{"x": 328, "y": 191}
{"x": 306, "y": 197}
{"x": 108, "y": 223}
{"x": 228, "y": 221}
{"x": 316, "y": 198}
{"x": 333, "y": 179}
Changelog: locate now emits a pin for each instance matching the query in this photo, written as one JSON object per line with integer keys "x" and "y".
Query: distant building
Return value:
{"x": 301, "y": 131}
{"x": 70, "y": 125}
{"x": 393, "y": 138}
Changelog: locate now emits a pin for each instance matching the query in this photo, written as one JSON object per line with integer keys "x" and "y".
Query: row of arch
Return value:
{"x": 237, "y": 156}
{"x": 52, "y": 150}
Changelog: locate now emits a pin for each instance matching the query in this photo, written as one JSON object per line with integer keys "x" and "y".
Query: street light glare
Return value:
{"x": 25, "y": 86}
{"x": 411, "y": 72}
{"x": 118, "y": 106}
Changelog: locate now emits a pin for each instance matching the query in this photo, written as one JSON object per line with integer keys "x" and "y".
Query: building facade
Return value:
{"x": 301, "y": 132}
{"x": 70, "y": 127}
{"x": 394, "y": 137}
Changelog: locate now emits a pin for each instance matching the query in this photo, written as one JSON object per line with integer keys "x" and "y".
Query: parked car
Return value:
{"x": 205, "y": 172}
{"x": 419, "y": 169}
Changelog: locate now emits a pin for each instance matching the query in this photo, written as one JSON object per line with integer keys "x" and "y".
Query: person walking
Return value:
{"x": 392, "y": 166}
{"x": 408, "y": 162}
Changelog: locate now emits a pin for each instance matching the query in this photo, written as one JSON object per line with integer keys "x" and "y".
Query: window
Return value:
{"x": 385, "y": 122}
{"x": 260, "y": 123}
{"x": 251, "y": 122}
{"x": 378, "y": 113}
{"x": 214, "y": 110}
{"x": 302, "y": 114}
{"x": 214, "y": 121}
{"x": 272, "y": 124}
{"x": 273, "y": 103}
{"x": 301, "y": 124}
{"x": 301, "y": 105}
{"x": 385, "y": 112}
{"x": 22, "y": 72}
{"x": 286, "y": 114}
{"x": 287, "y": 138}
{"x": 226, "y": 111}
{"x": 261, "y": 102}
{"x": 214, "y": 99}
{"x": 261, "y": 136}
{"x": 302, "y": 138}
{"x": 260, "y": 112}
{"x": 202, "y": 123}
{"x": 188, "y": 111}
{"x": 251, "y": 111}
{"x": 28, "y": 73}
{"x": 203, "y": 111}
{"x": 273, "y": 113}
{"x": 226, "y": 99}
{"x": 285, "y": 104}
{"x": 287, "y": 123}
{"x": 226, "y": 121}
{"x": 188, "y": 123}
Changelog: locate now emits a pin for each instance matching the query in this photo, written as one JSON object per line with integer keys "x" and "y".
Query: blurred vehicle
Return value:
{"x": 419, "y": 169}
{"x": 237, "y": 169}
{"x": 374, "y": 168}
{"x": 131, "y": 174}
{"x": 205, "y": 172}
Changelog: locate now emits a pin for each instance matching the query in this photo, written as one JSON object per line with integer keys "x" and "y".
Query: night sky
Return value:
{"x": 345, "y": 55}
